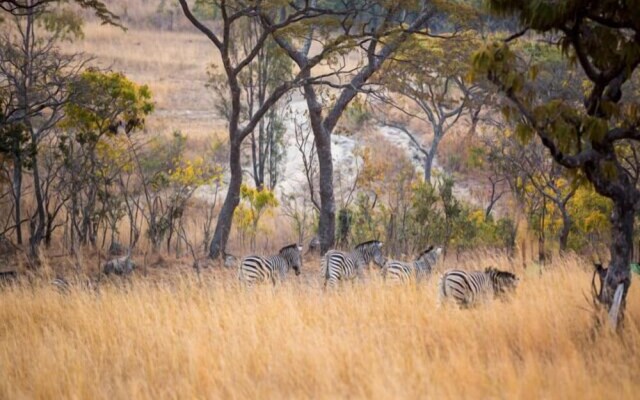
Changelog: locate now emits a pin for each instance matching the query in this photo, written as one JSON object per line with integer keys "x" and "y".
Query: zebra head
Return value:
{"x": 502, "y": 281}
{"x": 430, "y": 255}
{"x": 371, "y": 251}
{"x": 427, "y": 259}
{"x": 293, "y": 254}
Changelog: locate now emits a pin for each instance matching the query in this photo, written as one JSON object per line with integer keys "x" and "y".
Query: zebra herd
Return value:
{"x": 463, "y": 287}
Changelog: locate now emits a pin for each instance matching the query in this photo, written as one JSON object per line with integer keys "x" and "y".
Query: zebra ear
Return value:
{"x": 380, "y": 244}
{"x": 299, "y": 248}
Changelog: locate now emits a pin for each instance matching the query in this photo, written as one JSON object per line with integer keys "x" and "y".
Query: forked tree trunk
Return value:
{"x": 231, "y": 201}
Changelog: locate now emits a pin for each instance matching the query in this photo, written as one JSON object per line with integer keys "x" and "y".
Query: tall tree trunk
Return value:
{"x": 622, "y": 220}
{"x": 563, "y": 237}
{"x": 327, "y": 223}
{"x": 231, "y": 201}
{"x": 431, "y": 154}
{"x": 322, "y": 137}
{"x": 17, "y": 196}
{"x": 428, "y": 165}
{"x": 38, "y": 233}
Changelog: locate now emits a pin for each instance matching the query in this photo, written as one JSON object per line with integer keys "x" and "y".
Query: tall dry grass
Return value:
{"x": 178, "y": 338}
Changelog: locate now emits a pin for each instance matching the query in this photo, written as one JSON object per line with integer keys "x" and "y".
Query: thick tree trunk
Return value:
{"x": 322, "y": 137}
{"x": 622, "y": 220}
{"x": 231, "y": 201}
{"x": 327, "y": 223}
{"x": 428, "y": 165}
{"x": 431, "y": 154}
{"x": 38, "y": 233}
{"x": 563, "y": 237}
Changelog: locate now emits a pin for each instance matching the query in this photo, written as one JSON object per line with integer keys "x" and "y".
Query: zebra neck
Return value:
{"x": 281, "y": 262}
{"x": 359, "y": 258}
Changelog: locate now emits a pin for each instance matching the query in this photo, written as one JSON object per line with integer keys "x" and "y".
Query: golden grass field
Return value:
{"x": 178, "y": 337}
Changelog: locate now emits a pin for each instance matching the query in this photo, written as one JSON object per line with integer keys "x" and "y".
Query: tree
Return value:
{"x": 378, "y": 28}
{"x": 258, "y": 201}
{"x": 34, "y": 75}
{"x": 430, "y": 73}
{"x": 270, "y": 68}
{"x": 106, "y": 109}
{"x": 602, "y": 38}
{"x": 233, "y": 16}
{"x": 536, "y": 178}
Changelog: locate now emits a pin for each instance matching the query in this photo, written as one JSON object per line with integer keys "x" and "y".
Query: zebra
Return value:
{"x": 257, "y": 269}
{"x": 466, "y": 288}
{"x": 338, "y": 265}
{"x": 121, "y": 266}
{"x": 398, "y": 271}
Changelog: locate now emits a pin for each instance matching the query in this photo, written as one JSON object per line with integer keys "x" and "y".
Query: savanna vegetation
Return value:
{"x": 161, "y": 141}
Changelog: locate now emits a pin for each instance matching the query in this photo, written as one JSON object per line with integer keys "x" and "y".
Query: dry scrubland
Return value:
{"x": 177, "y": 338}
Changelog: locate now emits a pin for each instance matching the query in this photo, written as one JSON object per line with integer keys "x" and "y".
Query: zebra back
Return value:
{"x": 502, "y": 281}
{"x": 466, "y": 288}
{"x": 292, "y": 254}
{"x": 425, "y": 262}
{"x": 338, "y": 265}
{"x": 397, "y": 271}
{"x": 369, "y": 251}
{"x": 257, "y": 268}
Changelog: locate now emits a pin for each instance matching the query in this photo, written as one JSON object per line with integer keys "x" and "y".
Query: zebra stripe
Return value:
{"x": 259, "y": 269}
{"x": 466, "y": 288}
{"x": 340, "y": 266}
{"x": 61, "y": 284}
{"x": 401, "y": 272}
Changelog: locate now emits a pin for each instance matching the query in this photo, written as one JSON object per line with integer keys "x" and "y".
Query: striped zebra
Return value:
{"x": 258, "y": 269}
{"x": 467, "y": 288}
{"x": 340, "y": 266}
{"x": 398, "y": 271}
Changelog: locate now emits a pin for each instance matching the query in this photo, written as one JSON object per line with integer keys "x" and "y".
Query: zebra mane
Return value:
{"x": 428, "y": 250}
{"x": 363, "y": 244}
{"x": 291, "y": 246}
{"x": 498, "y": 274}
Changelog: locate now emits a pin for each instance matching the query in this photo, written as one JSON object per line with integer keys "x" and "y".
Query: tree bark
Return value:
{"x": 563, "y": 237}
{"x": 431, "y": 154}
{"x": 428, "y": 165}
{"x": 322, "y": 137}
{"x": 231, "y": 201}
{"x": 622, "y": 221}
{"x": 38, "y": 233}
{"x": 17, "y": 196}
